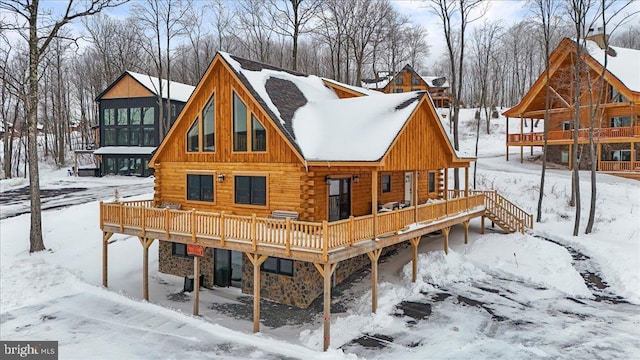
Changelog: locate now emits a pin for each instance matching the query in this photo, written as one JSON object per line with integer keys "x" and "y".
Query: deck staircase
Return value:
{"x": 502, "y": 212}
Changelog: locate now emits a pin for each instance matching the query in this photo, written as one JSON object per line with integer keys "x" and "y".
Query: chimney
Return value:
{"x": 598, "y": 36}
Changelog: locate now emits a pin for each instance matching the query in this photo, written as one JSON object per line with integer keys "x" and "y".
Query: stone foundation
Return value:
{"x": 180, "y": 266}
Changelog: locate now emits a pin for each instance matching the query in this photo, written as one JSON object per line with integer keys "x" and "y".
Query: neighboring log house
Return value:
{"x": 616, "y": 132}
{"x": 407, "y": 80}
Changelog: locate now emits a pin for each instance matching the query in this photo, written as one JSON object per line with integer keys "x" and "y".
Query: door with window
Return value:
{"x": 339, "y": 199}
{"x": 227, "y": 268}
{"x": 408, "y": 188}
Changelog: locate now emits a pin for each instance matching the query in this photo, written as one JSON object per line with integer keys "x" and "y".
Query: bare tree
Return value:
{"x": 41, "y": 31}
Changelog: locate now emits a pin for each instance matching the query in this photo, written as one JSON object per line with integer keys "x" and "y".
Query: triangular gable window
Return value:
{"x": 616, "y": 96}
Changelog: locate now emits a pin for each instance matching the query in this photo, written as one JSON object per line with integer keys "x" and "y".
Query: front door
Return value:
{"x": 408, "y": 188}
{"x": 339, "y": 199}
{"x": 227, "y": 268}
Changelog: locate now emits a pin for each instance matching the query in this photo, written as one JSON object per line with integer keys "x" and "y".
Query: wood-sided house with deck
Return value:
{"x": 407, "y": 80}
{"x": 291, "y": 183}
{"x": 616, "y": 132}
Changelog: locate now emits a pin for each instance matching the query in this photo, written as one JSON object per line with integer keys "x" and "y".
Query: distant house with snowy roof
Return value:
{"x": 284, "y": 184}
{"x": 616, "y": 132}
{"x": 129, "y": 126}
{"x": 407, "y": 80}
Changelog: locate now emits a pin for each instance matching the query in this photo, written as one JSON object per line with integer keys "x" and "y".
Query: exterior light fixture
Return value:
{"x": 221, "y": 178}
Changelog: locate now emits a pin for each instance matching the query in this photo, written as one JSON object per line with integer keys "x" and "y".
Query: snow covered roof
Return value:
{"x": 622, "y": 63}
{"x": 178, "y": 91}
{"x": 354, "y": 129}
{"x": 435, "y": 81}
{"x": 125, "y": 150}
{"x": 361, "y": 90}
{"x": 380, "y": 84}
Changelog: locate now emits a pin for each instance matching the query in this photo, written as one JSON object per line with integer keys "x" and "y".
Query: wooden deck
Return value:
{"x": 565, "y": 137}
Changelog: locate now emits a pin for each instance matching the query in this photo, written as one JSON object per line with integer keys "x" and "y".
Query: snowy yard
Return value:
{"x": 545, "y": 294}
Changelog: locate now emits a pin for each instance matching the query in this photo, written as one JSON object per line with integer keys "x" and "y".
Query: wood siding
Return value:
{"x": 127, "y": 87}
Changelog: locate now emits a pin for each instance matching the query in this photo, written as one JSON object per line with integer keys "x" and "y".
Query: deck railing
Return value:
{"x": 321, "y": 237}
{"x": 619, "y": 166}
{"x": 583, "y": 134}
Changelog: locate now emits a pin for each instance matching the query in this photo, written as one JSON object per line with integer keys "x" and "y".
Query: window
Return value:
{"x": 109, "y": 137}
{"x": 278, "y": 266}
{"x": 109, "y": 116}
{"x": 616, "y": 97}
{"x": 239, "y": 124}
{"x": 179, "y": 250}
{"x": 123, "y": 116}
{"x": 200, "y": 187}
{"x": 258, "y": 135}
{"x": 432, "y": 182}
{"x": 251, "y": 190}
{"x": 386, "y": 183}
{"x": 192, "y": 137}
{"x": 148, "y": 116}
{"x": 566, "y": 125}
{"x": 399, "y": 79}
{"x": 621, "y": 121}
{"x": 135, "y": 116}
{"x": 564, "y": 157}
{"x": 415, "y": 81}
{"x": 123, "y": 137}
{"x": 110, "y": 166}
{"x": 621, "y": 155}
{"x": 149, "y": 138}
{"x": 134, "y": 138}
{"x": 397, "y": 90}
{"x": 208, "y": 126}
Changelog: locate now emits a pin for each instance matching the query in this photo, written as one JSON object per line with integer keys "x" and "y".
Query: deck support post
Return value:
{"x": 466, "y": 185}
{"x": 599, "y": 156}
{"x": 146, "y": 243}
{"x": 374, "y": 202}
{"x": 507, "y": 138}
{"x": 415, "y": 196}
{"x": 531, "y": 147}
{"x": 446, "y": 231}
{"x": 466, "y": 231}
{"x": 105, "y": 258}
{"x": 633, "y": 156}
{"x": 482, "y": 224}
{"x": 374, "y": 256}
{"x": 196, "y": 285}
{"x": 256, "y": 260}
{"x": 570, "y": 157}
{"x": 415, "y": 242}
{"x": 326, "y": 270}
{"x": 521, "y": 139}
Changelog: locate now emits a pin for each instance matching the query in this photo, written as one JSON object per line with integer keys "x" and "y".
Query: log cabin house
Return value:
{"x": 616, "y": 132}
{"x": 285, "y": 184}
{"x": 407, "y": 80}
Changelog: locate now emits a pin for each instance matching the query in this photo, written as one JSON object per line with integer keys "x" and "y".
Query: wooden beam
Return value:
{"x": 256, "y": 260}
{"x": 105, "y": 257}
{"x": 145, "y": 242}
{"x": 599, "y": 156}
{"x": 466, "y": 184}
{"x": 196, "y": 285}
{"x": 445, "y": 231}
{"x": 415, "y": 242}
{"x": 374, "y": 256}
{"x": 374, "y": 201}
{"x": 446, "y": 183}
{"x": 466, "y": 231}
{"x": 415, "y": 196}
{"x": 521, "y": 137}
{"x": 570, "y": 156}
{"x": 326, "y": 270}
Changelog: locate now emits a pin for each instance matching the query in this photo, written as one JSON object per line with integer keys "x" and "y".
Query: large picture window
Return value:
{"x": 251, "y": 190}
{"x": 200, "y": 187}
{"x": 129, "y": 126}
{"x": 278, "y": 266}
{"x": 208, "y": 126}
{"x": 239, "y": 124}
{"x": 193, "y": 143}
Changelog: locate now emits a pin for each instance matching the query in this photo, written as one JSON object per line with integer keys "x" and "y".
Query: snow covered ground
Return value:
{"x": 500, "y": 296}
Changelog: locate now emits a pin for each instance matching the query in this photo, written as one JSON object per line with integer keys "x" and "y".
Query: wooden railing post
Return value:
{"x": 325, "y": 240}
{"x": 351, "y": 231}
{"x": 120, "y": 217}
{"x": 193, "y": 225}
{"x": 253, "y": 232}
{"x": 287, "y": 235}
{"x": 143, "y": 221}
{"x": 101, "y": 215}
{"x": 166, "y": 221}
{"x": 222, "y": 229}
